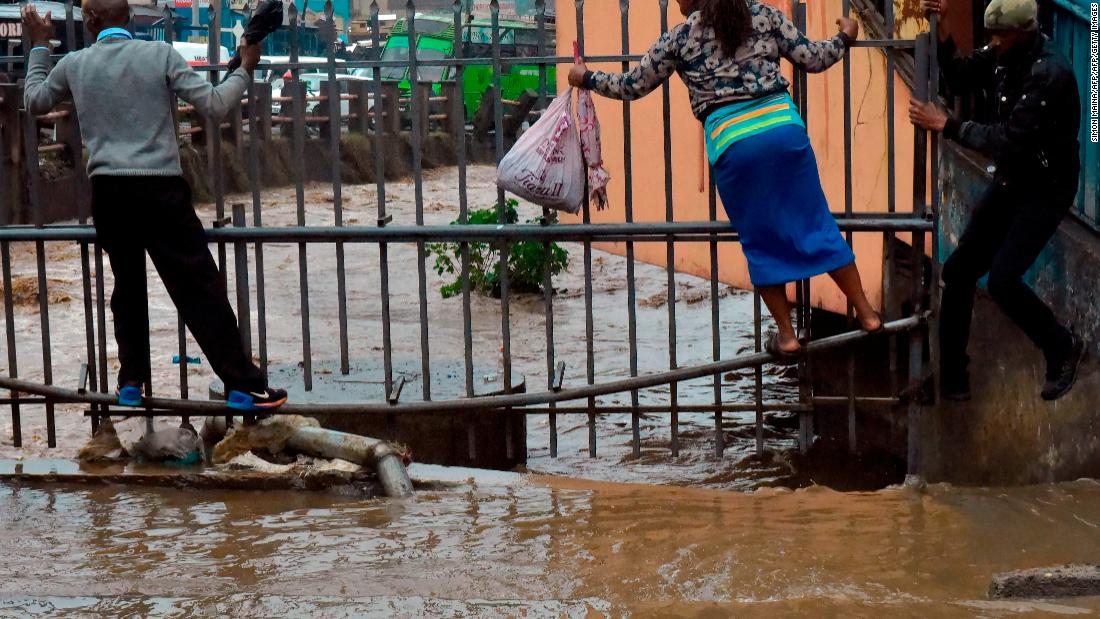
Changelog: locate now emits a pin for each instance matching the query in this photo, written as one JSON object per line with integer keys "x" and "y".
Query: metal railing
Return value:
{"x": 248, "y": 241}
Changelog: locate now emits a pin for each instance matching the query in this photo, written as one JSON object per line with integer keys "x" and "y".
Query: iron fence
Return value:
{"x": 249, "y": 242}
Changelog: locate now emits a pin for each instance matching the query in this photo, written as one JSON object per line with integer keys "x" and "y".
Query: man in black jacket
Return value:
{"x": 1034, "y": 116}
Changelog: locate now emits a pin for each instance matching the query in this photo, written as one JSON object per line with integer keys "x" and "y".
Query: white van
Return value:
{"x": 198, "y": 55}
{"x": 309, "y": 64}
{"x": 313, "y": 83}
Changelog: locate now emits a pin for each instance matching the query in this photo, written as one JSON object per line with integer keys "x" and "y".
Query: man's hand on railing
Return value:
{"x": 934, "y": 6}
{"x": 250, "y": 56}
{"x": 38, "y": 29}
{"x": 927, "y": 115}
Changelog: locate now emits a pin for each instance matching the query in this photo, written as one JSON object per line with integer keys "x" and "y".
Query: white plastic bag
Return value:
{"x": 545, "y": 165}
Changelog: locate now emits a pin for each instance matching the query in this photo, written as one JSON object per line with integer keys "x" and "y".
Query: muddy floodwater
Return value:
{"x": 500, "y": 545}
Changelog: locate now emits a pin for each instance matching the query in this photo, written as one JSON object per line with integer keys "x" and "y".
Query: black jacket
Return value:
{"x": 1033, "y": 109}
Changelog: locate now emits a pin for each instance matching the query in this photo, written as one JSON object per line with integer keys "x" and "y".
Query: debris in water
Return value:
{"x": 170, "y": 445}
{"x": 270, "y": 435}
{"x": 104, "y": 446}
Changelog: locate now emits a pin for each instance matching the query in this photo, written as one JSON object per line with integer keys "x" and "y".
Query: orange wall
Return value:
{"x": 689, "y": 196}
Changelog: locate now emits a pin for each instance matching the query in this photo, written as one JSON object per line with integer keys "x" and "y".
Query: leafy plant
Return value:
{"x": 526, "y": 259}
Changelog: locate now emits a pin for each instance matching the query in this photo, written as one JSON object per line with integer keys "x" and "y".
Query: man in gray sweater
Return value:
{"x": 125, "y": 91}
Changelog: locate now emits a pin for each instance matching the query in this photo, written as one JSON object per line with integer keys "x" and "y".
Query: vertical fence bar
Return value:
{"x": 13, "y": 357}
{"x": 240, "y": 268}
{"x": 459, "y": 108}
{"x": 670, "y": 253}
{"x": 335, "y": 129}
{"x": 181, "y": 328}
{"x": 80, "y": 191}
{"x": 934, "y": 281}
{"x": 851, "y": 367}
{"x": 548, "y": 218}
{"x": 213, "y": 127}
{"x": 628, "y": 203}
{"x": 589, "y": 326}
{"x": 715, "y": 318}
{"x": 891, "y": 178}
{"x": 805, "y": 308}
{"x": 505, "y": 250}
{"x": 758, "y": 374}
{"x": 920, "y": 191}
{"x": 256, "y": 142}
{"x": 34, "y": 183}
{"x": 417, "y": 138}
{"x": 299, "y": 129}
{"x": 101, "y": 320}
{"x": 378, "y": 108}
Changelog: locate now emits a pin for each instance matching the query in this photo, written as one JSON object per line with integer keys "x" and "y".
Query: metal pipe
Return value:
{"x": 208, "y": 408}
{"x": 371, "y": 453}
{"x": 474, "y": 232}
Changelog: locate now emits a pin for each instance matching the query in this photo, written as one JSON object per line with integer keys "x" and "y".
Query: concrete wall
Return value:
{"x": 1007, "y": 434}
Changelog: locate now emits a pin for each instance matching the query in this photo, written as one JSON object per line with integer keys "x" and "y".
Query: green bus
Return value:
{"x": 435, "y": 39}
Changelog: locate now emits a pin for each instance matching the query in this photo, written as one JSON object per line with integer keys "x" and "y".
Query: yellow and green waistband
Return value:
{"x": 738, "y": 121}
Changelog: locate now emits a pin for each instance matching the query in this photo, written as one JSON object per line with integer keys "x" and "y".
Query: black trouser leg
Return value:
{"x": 129, "y": 303}
{"x": 155, "y": 215}
{"x": 179, "y": 250}
{"x": 971, "y": 259}
{"x": 1031, "y": 230}
{"x": 1009, "y": 228}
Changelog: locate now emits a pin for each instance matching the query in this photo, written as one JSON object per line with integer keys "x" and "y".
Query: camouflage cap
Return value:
{"x": 1011, "y": 15}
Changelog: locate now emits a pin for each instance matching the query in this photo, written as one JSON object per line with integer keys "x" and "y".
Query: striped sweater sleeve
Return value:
{"x": 811, "y": 56}
{"x": 656, "y": 66}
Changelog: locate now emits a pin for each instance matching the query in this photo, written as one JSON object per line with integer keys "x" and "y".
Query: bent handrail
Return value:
{"x": 200, "y": 408}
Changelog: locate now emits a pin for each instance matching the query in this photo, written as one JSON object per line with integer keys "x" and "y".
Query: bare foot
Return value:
{"x": 870, "y": 321}
{"x": 789, "y": 343}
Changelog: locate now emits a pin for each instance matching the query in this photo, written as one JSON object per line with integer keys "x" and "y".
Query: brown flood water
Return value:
{"x": 501, "y": 545}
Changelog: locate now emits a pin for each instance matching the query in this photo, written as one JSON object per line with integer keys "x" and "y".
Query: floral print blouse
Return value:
{"x": 712, "y": 78}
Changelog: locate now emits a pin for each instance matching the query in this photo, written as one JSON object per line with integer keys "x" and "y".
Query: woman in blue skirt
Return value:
{"x": 727, "y": 53}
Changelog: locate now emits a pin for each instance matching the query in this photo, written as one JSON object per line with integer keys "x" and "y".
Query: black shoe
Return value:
{"x": 1062, "y": 375}
{"x": 955, "y": 387}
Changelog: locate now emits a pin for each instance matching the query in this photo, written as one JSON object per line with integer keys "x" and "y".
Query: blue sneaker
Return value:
{"x": 129, "y": 394}
{"x": 250, "y": 401}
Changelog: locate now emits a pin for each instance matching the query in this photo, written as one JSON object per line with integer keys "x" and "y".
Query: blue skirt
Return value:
{"x": 772, "y": 195}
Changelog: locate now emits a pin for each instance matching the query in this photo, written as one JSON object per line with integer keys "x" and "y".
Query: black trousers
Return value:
{"x": 1011, "y": 225}
{"x": 135, "y": 215}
